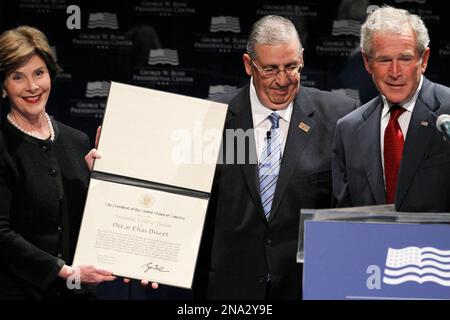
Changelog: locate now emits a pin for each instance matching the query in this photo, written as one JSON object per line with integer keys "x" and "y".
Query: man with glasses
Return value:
{"x": 251, "y": 234}
{"x": 389, "y": 150}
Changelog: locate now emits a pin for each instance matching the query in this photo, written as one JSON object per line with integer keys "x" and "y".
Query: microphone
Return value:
{"x": 443, "y": 124}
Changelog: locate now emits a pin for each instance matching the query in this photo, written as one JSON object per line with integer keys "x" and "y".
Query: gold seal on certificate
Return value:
{"x": 146, "y": 200}
{"x": 149, "y": 192}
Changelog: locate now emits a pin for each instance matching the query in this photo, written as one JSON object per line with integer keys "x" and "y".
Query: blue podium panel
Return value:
{"x": 348, "y": 260}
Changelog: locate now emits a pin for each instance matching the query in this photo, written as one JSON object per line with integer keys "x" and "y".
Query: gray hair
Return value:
{"x": 272, "y": 30}
{"x": 399, "y": 21}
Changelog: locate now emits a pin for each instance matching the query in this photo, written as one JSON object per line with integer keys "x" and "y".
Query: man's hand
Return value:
{"x": 88, "y": 274}
{"x": 144, "y": 283}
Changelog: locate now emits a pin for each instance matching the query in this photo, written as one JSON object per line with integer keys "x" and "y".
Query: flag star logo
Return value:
{"x": 219, "y": 90}
{"x": 163, "y": 56}
{"x": 97, "y": 89}
{"x": 413, "y": 264}
{"x": 346, "y": 27}
{"x": 225, "y": 24}
{"x": 103, "y": 20}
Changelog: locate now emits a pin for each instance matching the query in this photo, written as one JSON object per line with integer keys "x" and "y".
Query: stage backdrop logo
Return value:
{"x": 287, "y": 10}
{"x": 225, "y": 24}
{"x": 97, "y": 89}
{"x": 103, "y": 20}
{"x": 163, "y": 71}
{"x": 346, "y": 27}
{"x": 337, "y": 46}
{"x": 163, "y": 56}
{"x": 220, "y": 90}
{"x": 164, "y": 8}
{"x": 219, "y": 40}
{"x": 43, "y": 6}
{"x": 93, "y": 104}
{"x": 102, "y": 34}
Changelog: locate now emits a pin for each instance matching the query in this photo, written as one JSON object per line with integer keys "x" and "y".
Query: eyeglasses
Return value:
{"x": 269, "y": 72}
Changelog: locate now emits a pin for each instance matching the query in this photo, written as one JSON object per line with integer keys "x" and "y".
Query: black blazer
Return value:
{"x": 42, "y": 192}
{"x": 250, "y": 257}
{"x": 424, "y": 177}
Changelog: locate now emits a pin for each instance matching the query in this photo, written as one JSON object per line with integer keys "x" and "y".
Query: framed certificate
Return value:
{"x": 149, "y": 192}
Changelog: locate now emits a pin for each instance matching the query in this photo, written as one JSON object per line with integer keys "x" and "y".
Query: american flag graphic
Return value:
{"x": 417, "y": 265}
{"x": 225, "y": 23}
{"x": 346, "y": 27}
{"x": 216, "y": 91}
{"x": 97, "y": 89}
{"x": 103, "y": 20}
{"x": 163, "y": 56}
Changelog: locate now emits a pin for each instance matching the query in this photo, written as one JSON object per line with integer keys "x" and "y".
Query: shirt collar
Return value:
{"x": 261, "y": 112}
{"x": 408, "y": 105}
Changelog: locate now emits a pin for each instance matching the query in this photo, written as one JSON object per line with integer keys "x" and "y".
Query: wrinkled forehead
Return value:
{"x": 280, "y": 51}
{"x": 391, "y": 43}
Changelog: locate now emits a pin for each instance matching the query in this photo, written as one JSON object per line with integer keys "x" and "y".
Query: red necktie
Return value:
{"x": 393, "y": 150}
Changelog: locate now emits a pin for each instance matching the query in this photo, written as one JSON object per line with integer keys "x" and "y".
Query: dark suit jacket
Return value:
{"x": 252, "y": 258}
{"x": 43, "y": 187}
{"x": 424, "y": 177}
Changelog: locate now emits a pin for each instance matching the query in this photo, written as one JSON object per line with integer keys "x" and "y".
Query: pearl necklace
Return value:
{"x": 49, "y": 122}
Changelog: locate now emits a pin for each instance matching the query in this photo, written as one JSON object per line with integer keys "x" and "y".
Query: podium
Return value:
{"x": 374, "y": 253}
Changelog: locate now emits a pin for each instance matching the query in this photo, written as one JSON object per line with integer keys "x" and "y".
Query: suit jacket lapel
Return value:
{"x": 369, "y": 142}
{"x": 420, "y": 132}
{"x": 296, "y": 142}
{"x": 240, "y": 107}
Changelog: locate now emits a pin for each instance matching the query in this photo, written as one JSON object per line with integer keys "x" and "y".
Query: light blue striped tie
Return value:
{"x": 269, "y": 164}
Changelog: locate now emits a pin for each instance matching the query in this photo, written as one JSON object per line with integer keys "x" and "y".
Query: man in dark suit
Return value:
{"x": 389, "y": 150}
{"x": 283, "y": 165}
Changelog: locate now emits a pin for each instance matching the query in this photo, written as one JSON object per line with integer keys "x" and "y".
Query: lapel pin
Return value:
{"x": 424, "y": 123}
{"x": 304, "y": 127}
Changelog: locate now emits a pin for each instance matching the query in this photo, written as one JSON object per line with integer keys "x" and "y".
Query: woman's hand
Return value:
{"x": 90, "y": 157}
{"x": 93, "y": 154}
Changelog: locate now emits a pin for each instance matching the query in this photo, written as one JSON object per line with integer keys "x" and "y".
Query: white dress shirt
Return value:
{"x": 262, "y": 124}
{"x": 403, "y": 120}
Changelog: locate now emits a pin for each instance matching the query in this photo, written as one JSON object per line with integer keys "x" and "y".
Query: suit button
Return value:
{"x": 61, "y": 198}
{"x": 268, "y": 241}
{"x": 60, "y": 229}
{"x": 44, "y": 147}
{"x": 52, "y": 172}
{"x": 59, "y": 255}
{"x": 265, "y": 278}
